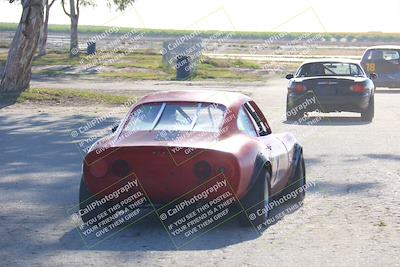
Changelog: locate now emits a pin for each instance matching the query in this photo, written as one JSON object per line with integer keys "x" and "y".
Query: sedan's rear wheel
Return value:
{"x": 291, "y": 114}
{"x": 368, "y": 115}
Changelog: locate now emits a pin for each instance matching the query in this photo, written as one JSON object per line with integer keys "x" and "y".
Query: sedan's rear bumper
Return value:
{"x": 350, "y": 103}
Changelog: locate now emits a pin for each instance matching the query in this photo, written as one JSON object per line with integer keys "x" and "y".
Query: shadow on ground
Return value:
{"x": 329, "y": 121}
{"x": 150, "y": 234}
{"x": 39, "y": 180}
{"x": 8, "y": 99}
{"x": 41, "y": 169}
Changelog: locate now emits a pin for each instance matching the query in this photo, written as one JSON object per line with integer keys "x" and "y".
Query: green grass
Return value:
{"x": 207, "y": 71}
{"x": 56, "y": 58}
{"x": 139, "y": 60}
{"x": 52, "y": 73}
{"x": 245, "y": 64}
{"x": 65, "y": 95}
{"x": 227, "y": 63}
{"x": 150, "y": 63}
{"x": 3, "y": 59}
{"x": 151, "y": 66}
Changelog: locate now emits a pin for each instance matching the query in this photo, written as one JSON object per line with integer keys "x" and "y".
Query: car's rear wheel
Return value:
{"x": 85, "y": 203}
{"x": 292, "y": 115}
{"x": 368, "y": 115}
{"x": 256, "y": 202}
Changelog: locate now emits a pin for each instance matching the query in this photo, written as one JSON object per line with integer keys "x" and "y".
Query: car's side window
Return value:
{"x": 390, "y": 55}
{"x": 244, "y": 123}
{"x": 354, "y": 70}
{"x": 258, "y": 118}
{"x": 367, "y": 55}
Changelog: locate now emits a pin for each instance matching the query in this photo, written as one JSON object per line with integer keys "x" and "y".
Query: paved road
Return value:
{"x": 350, "y": 217}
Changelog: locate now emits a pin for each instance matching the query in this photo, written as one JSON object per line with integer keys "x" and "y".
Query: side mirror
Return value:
{"x": 114, "y": 128}
{"x": 289, "y": 76}
{"x": 373, "y": 76}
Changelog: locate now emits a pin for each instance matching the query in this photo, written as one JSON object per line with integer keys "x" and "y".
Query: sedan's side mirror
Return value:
{"x": 373, "y": 76}
{"x": 114, "y": 128}
{"x": 289, "y": 76}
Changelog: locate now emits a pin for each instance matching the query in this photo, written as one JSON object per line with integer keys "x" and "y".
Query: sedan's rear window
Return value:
{"x": 329, "y": 69}
{"x": 170, "y": 116}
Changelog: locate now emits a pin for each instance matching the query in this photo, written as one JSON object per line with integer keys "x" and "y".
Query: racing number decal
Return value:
{"x": 370, "y": 67}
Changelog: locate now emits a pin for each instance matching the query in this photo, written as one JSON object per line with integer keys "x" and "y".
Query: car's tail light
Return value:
{"x": 297, "y": 88}
{"x": 358, "y": 88}
{"x": 99, "y": 168}
{"x": 202, "y": 170}
{"x": 120, "y": 168}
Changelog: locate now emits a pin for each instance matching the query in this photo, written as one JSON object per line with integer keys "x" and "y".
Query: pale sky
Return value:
{"x": 250, "y": 15}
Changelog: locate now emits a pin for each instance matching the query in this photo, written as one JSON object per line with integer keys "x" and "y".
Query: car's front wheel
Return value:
{"x": 368, "y": 114}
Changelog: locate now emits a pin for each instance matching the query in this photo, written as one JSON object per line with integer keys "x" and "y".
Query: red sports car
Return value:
{"x": 178, "y": 144}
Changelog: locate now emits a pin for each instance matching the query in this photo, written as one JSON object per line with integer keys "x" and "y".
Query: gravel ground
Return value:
{"x": 351, "y": 217}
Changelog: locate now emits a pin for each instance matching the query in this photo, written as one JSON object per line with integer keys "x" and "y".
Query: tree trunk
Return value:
{"x": 44, "y": 32}
{"x": 74, "y": 48}
{"x": 17, "y": 72}
{"x": 74, "y": 16}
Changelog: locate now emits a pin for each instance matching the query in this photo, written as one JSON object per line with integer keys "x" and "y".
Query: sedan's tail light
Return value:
{"x": 358, "y": 88}
{"x": 297, "y": 87}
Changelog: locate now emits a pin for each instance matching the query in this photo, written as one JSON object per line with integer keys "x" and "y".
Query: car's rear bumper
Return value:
{"x": 351, "y": 103}
{"x": 387, "y": 83}
{"x": 388, "y": 80}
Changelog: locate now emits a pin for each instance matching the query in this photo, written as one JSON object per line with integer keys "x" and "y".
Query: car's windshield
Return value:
{"x": 172, "y": 116}
{"x": 329, "y": 69}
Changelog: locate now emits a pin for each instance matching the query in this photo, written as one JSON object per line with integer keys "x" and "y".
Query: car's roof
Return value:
{"x": 225, "y": 98}
{"x": 397, "y": 47}
{"x": 333, "y": 60}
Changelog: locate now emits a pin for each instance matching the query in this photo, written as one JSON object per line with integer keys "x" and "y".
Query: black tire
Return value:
{"x": 85, "y": 199}
{"x": 290, "y": 116}
{"x": 368, "y": 115}
{"x": 297, "y": 181}
{"x": 257, "y": 199}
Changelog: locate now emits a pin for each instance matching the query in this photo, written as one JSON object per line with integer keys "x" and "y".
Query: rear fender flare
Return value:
{"x": 298, "y": 153}
{"x": 262, "y": 166}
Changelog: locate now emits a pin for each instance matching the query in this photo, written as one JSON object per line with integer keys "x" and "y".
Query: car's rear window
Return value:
{"x": 329, "y": 69}
{"x": 171, "y": 116}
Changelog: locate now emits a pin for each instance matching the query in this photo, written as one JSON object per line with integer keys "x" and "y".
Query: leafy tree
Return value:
{"x": 18, "y": 68}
